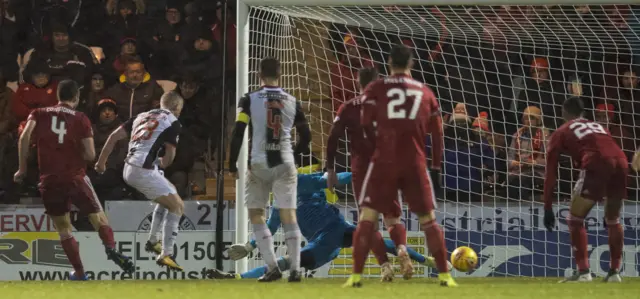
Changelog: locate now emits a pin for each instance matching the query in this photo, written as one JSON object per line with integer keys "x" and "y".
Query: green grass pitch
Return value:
{"x": 471, "y": 288}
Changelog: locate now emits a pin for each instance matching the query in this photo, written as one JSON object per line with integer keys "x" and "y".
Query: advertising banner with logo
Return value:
{"x": 24, "y": 219}
{"x": 201, "y": 215}
{"x": 136, "y": 215}
{"x": 39, "y": 256}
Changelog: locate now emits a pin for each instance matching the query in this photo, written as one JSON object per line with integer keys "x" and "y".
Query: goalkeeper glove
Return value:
{"x": 435, "y": 179}
{"x": 239, "y": 251}
{"x": 549, "y": 219}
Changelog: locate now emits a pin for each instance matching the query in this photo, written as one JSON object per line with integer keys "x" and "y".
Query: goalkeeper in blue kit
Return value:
{"x": 321, "y": 223}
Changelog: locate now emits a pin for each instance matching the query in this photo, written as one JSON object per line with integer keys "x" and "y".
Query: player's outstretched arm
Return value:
{"x": 304, "y": 132}
{"x": 89, "y": 153}
{"x": 236, "y": 144}
{"x": 337, "y": 130}
{"x": 437, "y": 143}
{"x": 550, "y": 177}
{"x": 117, "y": 135}
{"x": 635, "y": 163}
{"x": 169, "y": 156}
{"x": 23, "y": 150}
{"x": 242, "y": 119}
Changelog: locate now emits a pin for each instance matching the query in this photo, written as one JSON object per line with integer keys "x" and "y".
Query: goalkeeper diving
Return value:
{"x": 321, "y": 223}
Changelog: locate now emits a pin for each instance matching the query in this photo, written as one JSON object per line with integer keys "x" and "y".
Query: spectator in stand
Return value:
{"x": 482, "y": 128}
{"x": 108, "y": 185}
{"x": 92, "y": 95}
{"x": 526, "y": 155}
{"x": 166, "y": 40}
{"x": 61, "y": 51}
{"x": 629, "y": 104}
{"x": 201, "y": 58}
{"x": 217, "y": 31}
{"x": 137, "y": 92}
{"x": 7, "y": 119}
{"x": 7, "y": 140}
{"x": 539, "y": 91}
{"x": 9, "y": 42}
{"x": 459, "y": 115}
{"x": 125, "y": 22}
{"x": 128, "y": 50}
{"x": 178, "y": 171}
{"x": 577, "y": 88}
{"x": 344, "y": 74}
{"x": 38, "y": 91}
{"x": 468, "y": 159}
{"x": 201, "y": 112}
{"x": 605, "y": 115}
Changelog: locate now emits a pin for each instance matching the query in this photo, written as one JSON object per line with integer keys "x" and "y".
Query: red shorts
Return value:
{"x": 59, "y": 195}
{"x": 358, "y": 171}
{"x": 603, "y": 179}
{"x": 382, "y": 183}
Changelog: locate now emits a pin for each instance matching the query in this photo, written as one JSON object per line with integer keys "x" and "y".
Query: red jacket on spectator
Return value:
{"x": 28, "y": 97}
{"x": 216, "y": 30}
{"x": 344, "y": 74}
{"x": 344, "y": 79}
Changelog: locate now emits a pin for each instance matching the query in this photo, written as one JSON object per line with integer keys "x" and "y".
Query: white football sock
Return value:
{"x": 169, "y": 233}
{"x": 157, "y": 219}
{"x": 292, "y": 240}
{"x": 264, "y": 240}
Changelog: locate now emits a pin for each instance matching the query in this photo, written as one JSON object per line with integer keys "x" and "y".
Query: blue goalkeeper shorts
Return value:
{"x": 322, "y": 249}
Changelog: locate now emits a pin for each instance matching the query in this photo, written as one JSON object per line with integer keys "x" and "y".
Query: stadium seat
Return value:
{"x": 13, "y": 85}
{"x": 167, "y": 85}
{"x": 24, "y": 62}
{"x": 98, "y": 53}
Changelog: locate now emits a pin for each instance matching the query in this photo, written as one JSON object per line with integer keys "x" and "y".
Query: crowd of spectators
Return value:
{"x": 125, "y": 54}
{"x": 500, "y": 97}
{"x": 501, "y": 75}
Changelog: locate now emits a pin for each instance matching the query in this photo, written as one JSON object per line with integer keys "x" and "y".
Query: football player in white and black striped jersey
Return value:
{"x": 271, "y": 113}
{"x": 151, "y": 133}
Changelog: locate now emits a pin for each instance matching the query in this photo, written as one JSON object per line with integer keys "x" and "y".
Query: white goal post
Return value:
{"x": 507, "y": 234}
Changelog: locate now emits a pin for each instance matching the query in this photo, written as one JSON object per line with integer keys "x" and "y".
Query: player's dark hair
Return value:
{"x": 573, "y": 106}
{"x": 270, "y": 68}
{"x": 400, "y": 56}
{"x": 68, "y": 90}
{"x": 366, "y": 75}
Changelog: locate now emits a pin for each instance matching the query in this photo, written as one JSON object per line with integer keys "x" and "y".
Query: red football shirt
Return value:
{"x": 400, "y": 112}
{"x": 348, "y": 118}
{"x": 585, "y": 142}
{"x": 58, "y": 136}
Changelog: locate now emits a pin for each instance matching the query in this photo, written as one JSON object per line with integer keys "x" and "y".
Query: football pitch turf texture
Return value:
{"x": 470, "y": 288}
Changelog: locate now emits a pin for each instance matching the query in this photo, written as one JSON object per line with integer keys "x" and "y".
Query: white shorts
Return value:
{"x": 150, "y": 182}
{"x": 282, "y": 180}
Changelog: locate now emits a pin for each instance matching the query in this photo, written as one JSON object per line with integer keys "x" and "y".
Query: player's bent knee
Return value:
{"x": 171, "y": 202}
{"x": 612, "y": 221}
{"x": 429, "y": 217}
{"x": 368, "y": 214}
{"x": 98, "y": 219}
{"x": 256, "y": 216}
{"x": 288, "y": 216}
{"x": 62, "y": 224}
{"x": 391, "y": 221}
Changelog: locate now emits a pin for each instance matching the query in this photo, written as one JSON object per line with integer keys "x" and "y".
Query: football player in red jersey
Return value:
{"x": 348, "y": 118}
{"x": 603, "y": 178}
{"x": 399, "y": 113}
{"x": 64, "y": 140}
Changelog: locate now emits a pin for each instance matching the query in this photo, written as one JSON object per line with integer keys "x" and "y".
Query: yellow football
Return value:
{"x": 464, "y": 259}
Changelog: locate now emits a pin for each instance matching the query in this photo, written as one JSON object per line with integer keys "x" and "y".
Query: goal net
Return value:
{"x": 501, "y": 74}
